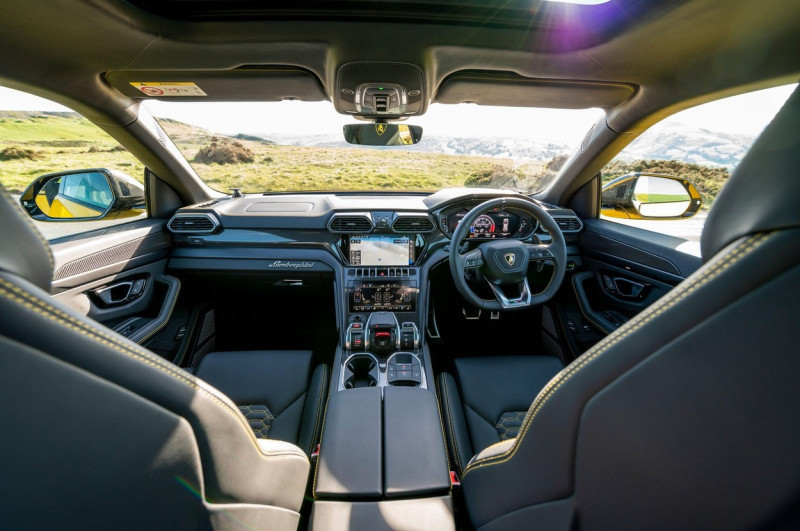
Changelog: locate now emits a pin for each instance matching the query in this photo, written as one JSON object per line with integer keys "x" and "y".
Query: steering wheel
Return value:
{"x": 505, "y": 262}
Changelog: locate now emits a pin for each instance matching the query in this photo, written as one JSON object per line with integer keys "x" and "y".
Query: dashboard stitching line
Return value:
{"x": 724, "y": 263}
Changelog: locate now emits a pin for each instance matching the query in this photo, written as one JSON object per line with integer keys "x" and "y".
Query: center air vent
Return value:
{"x": 412, "y": 224}
{"x": 193, "y": 223}
{"x": 569, "y": 224}
{"x": 350, "y": 224}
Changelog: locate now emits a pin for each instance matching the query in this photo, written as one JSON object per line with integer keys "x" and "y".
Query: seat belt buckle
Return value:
{"x": 454, "y": 482}
{"x": 315, "y": 453}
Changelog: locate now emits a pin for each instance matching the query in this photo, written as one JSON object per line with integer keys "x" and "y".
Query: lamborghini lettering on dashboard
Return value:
{"x": 285, "y": 264}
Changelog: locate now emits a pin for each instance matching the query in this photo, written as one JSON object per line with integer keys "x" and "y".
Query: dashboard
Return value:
{"x": 376, "y": 252}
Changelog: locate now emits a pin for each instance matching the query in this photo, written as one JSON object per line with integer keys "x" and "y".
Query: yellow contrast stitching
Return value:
{"x": 441, "y": 424}
{"x": 317, "y": 425}
{"x": 648, "y": 315}
{"x": 319, "y": 458}
{"x": 169, "y": 316}
{"x": 446, "y": 394}
{"x": 43, "y": 308}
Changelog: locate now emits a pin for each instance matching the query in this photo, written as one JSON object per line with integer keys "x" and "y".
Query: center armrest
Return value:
{"x": 350, "y": 452}
{"x": 414, "y": 459}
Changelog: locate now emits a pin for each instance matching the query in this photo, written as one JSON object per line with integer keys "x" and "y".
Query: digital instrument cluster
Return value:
{"x": 492, "y": 225}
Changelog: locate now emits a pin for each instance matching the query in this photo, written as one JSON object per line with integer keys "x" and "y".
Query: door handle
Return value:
{"x": 121, "y": 292}
{"x": 624, "y": 288}
{"x": 628, "y": 289}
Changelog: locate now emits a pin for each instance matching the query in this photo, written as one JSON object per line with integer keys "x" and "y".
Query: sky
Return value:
{"x": 746, "y": 114}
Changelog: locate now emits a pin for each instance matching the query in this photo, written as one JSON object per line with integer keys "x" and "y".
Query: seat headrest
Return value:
{"x": 23, "y": 250}
{"x": 763, "y": 192}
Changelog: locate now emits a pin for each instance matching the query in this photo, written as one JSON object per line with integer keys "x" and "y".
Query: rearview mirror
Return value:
{"x": 649, "y": 196}
{"x": 382, "y": 134}
{"x": 83, "y": 195}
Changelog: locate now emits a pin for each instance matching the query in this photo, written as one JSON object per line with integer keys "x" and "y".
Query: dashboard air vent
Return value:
{"x": 350, "y": 224}
{"x": 412, "y": 224}
{"x": 569, "y": 224}
{"x": 193, "y": 223}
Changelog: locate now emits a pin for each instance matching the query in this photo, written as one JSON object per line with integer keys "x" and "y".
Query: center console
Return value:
{"x": 382, "y": 455}
{"x": 382, "y": 341}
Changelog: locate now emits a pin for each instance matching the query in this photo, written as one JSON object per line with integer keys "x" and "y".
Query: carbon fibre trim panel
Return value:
{"x": 151, "y": 243}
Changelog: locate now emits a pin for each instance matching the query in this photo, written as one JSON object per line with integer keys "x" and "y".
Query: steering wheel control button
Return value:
{"x": 474, "y": 259}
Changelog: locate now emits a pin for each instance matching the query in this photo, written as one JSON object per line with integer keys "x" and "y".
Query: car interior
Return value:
{"x": 390, "y": 359}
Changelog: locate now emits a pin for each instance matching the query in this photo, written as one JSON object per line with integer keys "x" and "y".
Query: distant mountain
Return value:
{"x": 668, "y": 142}
{"x": 673, "y": 141}
{"x": 509, "y": 147}
{"x": 677, "y": 141}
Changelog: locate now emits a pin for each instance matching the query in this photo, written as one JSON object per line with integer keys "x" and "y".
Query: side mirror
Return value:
{"x": 83, "y": 195}
{"x": 382, "y": 134}
{"x": 649, "y": 196}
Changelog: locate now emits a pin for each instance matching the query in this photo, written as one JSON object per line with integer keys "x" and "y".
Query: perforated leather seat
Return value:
{"x": 276, "y": 390}
{"x": 686, "y": 417}
{"x": 100, "y": 433}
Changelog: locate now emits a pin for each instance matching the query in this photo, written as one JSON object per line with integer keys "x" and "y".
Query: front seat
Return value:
{"x": 99, "y": 433}
{"x": 688, "y": 416}
{"x": 487, "y": 398}
{"x": 276, "y": 390}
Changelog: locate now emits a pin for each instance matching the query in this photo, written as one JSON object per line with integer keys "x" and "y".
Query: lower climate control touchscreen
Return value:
{"x": 382, "y": 296}
{"x": 381, "y": 250}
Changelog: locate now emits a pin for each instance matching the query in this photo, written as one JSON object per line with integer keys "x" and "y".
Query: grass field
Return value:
{"x": 65, "y": 141}
{"x": 59, "y": 142}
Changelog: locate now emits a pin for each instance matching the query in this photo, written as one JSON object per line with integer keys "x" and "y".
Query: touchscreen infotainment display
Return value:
{"x": 381, "y": 250}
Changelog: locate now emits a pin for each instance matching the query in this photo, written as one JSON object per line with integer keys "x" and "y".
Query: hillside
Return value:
{"x": 45, "y": 142}
{"x": 50, "y": 142}
{"x": 673, "y": 141}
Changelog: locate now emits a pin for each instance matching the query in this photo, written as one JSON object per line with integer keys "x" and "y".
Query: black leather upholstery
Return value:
{"x": 23, "y": 250}
{"x": 487, "y": 402}
{"x": 282, "y": 394}
{"x": 100, "y": 431}
{"x": 686, "y": 416}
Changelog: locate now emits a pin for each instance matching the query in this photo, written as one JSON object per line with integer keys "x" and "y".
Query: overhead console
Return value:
{"x": 379, "y": 90}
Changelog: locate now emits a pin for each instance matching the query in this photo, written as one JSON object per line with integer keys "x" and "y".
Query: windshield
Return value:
{"x": 294, "y": 146}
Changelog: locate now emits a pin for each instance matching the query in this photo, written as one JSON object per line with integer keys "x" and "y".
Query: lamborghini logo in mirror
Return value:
{"x": 380, "y": 129}
{"x": 510, "y": 258}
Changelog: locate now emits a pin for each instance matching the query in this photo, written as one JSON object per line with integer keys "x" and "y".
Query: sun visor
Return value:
{"x": 512, "y": 90}
{"x": 256, "y": 83}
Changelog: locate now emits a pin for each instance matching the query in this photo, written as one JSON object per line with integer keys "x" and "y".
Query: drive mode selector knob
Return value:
{"x": 383, "y": 334}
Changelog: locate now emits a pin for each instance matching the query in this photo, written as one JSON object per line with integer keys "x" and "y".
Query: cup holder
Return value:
{"x": 361, "y": 370}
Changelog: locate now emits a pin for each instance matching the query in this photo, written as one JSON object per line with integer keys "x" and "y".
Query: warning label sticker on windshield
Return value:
{"x": 161, "y": 89}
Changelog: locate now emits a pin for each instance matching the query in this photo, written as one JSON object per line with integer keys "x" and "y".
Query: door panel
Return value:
{"x": 625, "y": 270}
{"x": 83, "y": 258}
{"x": 646, "y": 252}
{"x": 116, "y": 276}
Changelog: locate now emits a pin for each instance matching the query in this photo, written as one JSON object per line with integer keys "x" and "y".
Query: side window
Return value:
{"x": 100, "y": 184}
{"x": 699, "y": 147}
